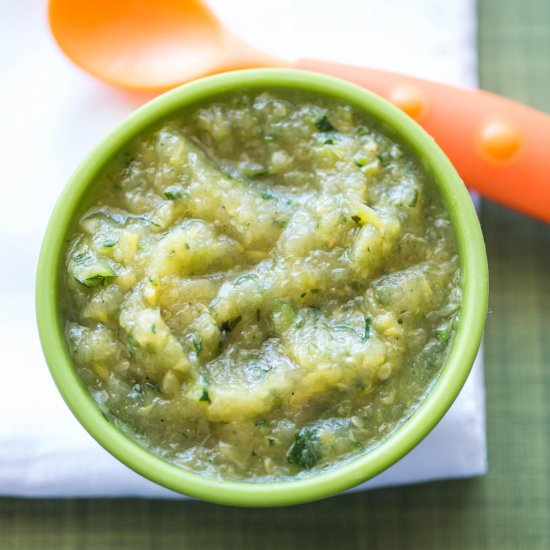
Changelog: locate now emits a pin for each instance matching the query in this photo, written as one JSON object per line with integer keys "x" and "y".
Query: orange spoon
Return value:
{"x": 500, "y": 147}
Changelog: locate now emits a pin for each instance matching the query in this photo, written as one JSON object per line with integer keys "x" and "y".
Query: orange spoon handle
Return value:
{"x": 500, "y": 147}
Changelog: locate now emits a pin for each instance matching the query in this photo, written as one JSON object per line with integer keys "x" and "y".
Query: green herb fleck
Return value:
{"x": 197, "y": 344}
{"x": 357, "y": 219}
{"x": 323, "y": 124}
{"x": 228, "y": 326}
{"x": 172, "y": 194}
{"x": 108, "y": 244}
{"x": 363, "y": 131}
{"x": 414, "y": 200}
{"x": 328, "y": 141}
{"x": 266, "y": 195}
{"x": 305, "y": 451}
{"x": 187, "y": 245}
{"x": 154, "y": 329}
{"x": 205, "y": 396}
{"x": 368, "y": 329}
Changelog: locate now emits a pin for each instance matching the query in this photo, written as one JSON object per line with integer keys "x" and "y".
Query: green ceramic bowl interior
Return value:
{"x": 473, "y": 264}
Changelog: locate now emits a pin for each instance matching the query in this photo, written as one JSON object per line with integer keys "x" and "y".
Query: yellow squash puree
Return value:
{"x": 263, "y": 287}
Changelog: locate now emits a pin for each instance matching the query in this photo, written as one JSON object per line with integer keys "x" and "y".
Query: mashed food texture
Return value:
{"x": 263, "y": 287}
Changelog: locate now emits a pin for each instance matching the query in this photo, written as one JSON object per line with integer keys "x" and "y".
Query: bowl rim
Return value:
{"x": 474, "y": 283}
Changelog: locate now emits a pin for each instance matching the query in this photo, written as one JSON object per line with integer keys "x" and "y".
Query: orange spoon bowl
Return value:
{"x": 148, "y": 45}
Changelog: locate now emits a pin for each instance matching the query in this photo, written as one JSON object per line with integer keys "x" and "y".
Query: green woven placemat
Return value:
{"x": 510, "y": 508}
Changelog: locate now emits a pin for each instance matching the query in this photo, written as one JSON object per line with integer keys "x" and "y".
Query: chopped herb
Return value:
{"x": 357, "y": 220}
{"x": 197, "y": 344}
{"x": 187, "y": 245}
{"x": 108, "y": 244}
{"x": 305, "y": 451}
{"x": 414, "y": 200}
{"x": 258, "y": 313}
{"x": 266, "y": 195}
{"x": 314, "y": 291}
{"x": 228, "y": 326}
{"x": 400, "y": 321}
{"x": 205, "y": 396}
{"x": 328, "y": 141}
{"x": 360, "y": 162}
{"x": 368, "y": 329}
{"x": 272, "y": 441}
{"x": 172, "y": 194}
{"x": 303, "y": 294}
{"x": 154, "y": 329}
{"x": 259, "y": 173}
{"x": 363, "y": 131}
{"x": 261, "y": 424}
{"x": 323, "y": 124}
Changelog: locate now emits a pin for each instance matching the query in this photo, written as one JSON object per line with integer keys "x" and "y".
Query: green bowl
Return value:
{"x": 473, "y": 263}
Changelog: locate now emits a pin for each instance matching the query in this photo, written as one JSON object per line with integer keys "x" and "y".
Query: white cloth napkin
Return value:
{"x": 51, "y": 115}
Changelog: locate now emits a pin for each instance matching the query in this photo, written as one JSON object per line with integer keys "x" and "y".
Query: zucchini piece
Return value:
{"x": 91, "y": 271}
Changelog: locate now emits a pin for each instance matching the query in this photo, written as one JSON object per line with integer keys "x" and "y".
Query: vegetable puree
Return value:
{"x": 262, "y": 287}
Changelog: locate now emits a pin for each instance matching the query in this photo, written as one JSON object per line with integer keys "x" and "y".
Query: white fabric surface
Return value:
{"x": 51, "y": 115}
